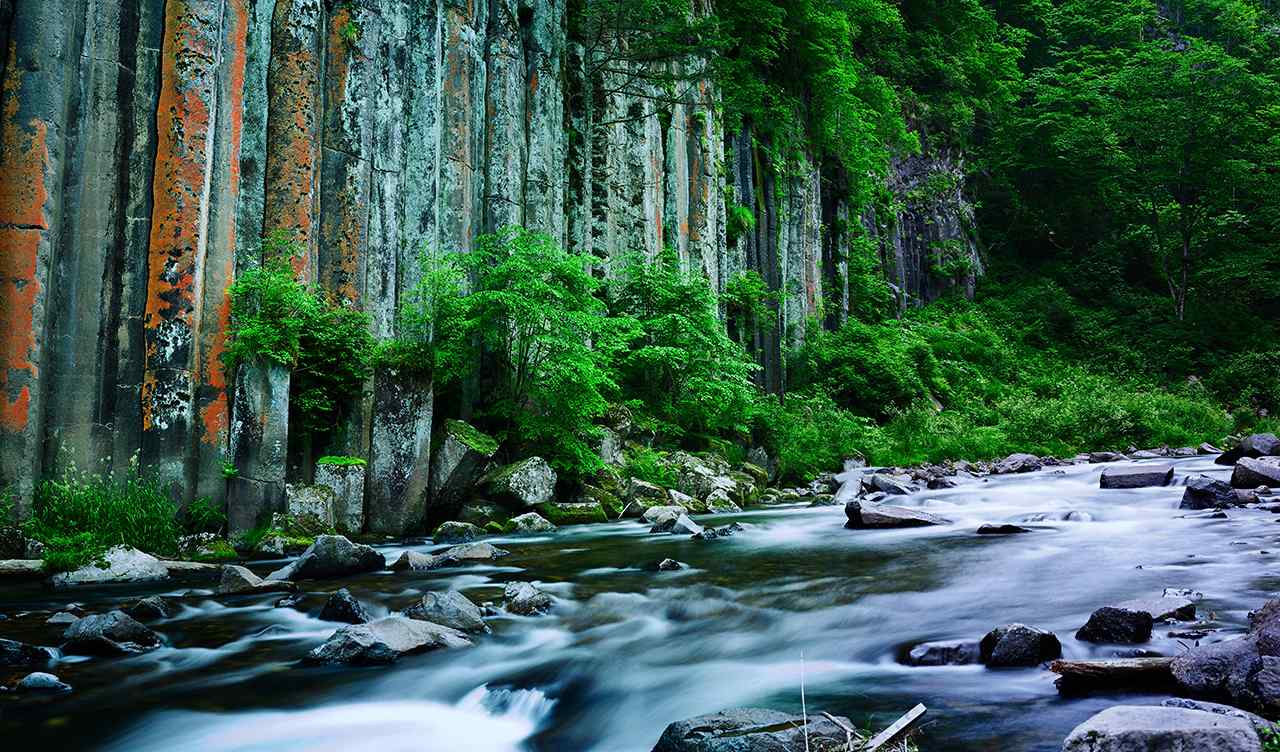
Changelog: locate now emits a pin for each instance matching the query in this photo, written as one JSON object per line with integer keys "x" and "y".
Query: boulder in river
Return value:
{"x": 642, "y": 495}
{"x": 112, "y": 633}
{"x": 450, "y": 609}
{"x": 1018, "y": 645}
{"x": 1253, "y": 446}
{"x": 151, "y": 607}
{"x": 656, "y": 515}
{"x": 342, "y": 606}
{"x": 1136, "y": 476}
{"x": 124, "y": 564}
{"x": 331, "y": 556}
{"x": 14, "y": 653}
{"x": 1106, "y": 457}
{"x": 1116, "y": 625}
{"x": 237, "y": 580}
{"x": 459, "y": 456}
{"x": 480, "y": 551}
{"x": 526, "y": 599}
{"x": 456, "y": 532}
{"x": 711, "y": 533}
{"x": 531, "y": 522}
{"x": 40, "y": 682}
{"x": 1019, "y": 462}
{"x": 1004, "y": 529}
{"x": 862, "y": 516}
{"x": 384, "y": 641}
{"x": 944, "y": 653}
{"x": 1250, "y": 473}
{"x": 888, "y": 484}
{"x": 1155, "y": 728}
{"x": 1203, "y": 492}
{"x": 414, "y": 561}
{"x": 677, "y": 525}
{"x": 521, "y": 485}
{"x": 753, "y": 730}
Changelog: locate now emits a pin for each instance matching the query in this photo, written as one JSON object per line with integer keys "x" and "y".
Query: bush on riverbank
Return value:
{"x": 79, "y": 516}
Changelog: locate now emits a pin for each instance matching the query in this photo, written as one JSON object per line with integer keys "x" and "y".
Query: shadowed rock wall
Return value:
{"x": 147, "y": 145}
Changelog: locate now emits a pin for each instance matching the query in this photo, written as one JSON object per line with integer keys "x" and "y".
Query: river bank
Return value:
{"x": 625, "y": 650}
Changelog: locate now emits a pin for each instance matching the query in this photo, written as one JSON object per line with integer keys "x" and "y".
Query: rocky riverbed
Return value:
{"x": 597, "y": 637}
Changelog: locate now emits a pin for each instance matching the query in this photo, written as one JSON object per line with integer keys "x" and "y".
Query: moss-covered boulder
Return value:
{"x": 521, "y": 485}
{"x": 574, "y": 513}
{"x": 456, "y": 532}
{"x": 481, "y": 513}
{"x": 461, "y": 454}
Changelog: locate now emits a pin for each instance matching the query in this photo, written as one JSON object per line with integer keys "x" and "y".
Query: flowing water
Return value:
{"x": 626, "y": 650}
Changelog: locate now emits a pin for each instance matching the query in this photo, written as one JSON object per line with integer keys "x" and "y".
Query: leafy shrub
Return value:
{"x": 79, "y": 516}
{"x": 205, "y": 516}
{"x": 649, "y": 465}
{"x": 809, "y": 434}
{"x": 1250, "y": 379}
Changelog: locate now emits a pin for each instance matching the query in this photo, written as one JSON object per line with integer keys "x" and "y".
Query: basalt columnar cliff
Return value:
{"x": 147, "y": 145}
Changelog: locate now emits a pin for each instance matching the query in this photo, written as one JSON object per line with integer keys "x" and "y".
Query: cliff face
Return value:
{"x": 146, "y": 145}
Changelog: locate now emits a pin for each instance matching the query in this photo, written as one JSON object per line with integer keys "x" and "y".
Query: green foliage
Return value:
{"x": 809, "y": 434}
{"x": 671, "y": 355}
{"x": 205, "y": 516}
{"x": 472, "y": 437}
{"x": 327, "y": 345}
{"x": 650, "y": 465}
{"x": 80, "y": 516}
{"x": 332, "y": 459}
{"x": 739, "y": 221}
{"x": 1249, "y": 379}
{"x": 746, "y": 300}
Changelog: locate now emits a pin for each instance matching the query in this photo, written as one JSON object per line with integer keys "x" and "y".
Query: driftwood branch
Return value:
{"x": 1082, "y": 677}
{"x": 896, "y": 729}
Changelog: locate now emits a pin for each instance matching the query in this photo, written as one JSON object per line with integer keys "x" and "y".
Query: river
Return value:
{"x": 626, "y": 650}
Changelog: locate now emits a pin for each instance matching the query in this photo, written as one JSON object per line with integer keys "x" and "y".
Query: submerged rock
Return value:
{"x": 342, "y": 606}
{"x": 1154, "y": 728}
{"x": 331, "y": 556}
{"x": 945, "y": 653}
{"x": 711, "y": 533}
{"x": 1018, "y": 645}
{"x": 39, "y": 681}
{"x": 384, "y": 641}
{"x": 753, "y": 730}
{"x": 525, "y": 599}
{"x": 451, "y": 609}
{"x": 237, "y": 580}
{"x": 151, "y": 607}
{"x": 862, "y": 515}
{"x": 414, "y": 561}
{"x": 124, "y": 564}
{"x": 474, "y": 552}
{"x": 112, "y": 633}
{"x": 677, "y": 525}
{"x": 14, "y": 653}
{"x": 1136, "y": 476}
{"x": 1004, "y": 529}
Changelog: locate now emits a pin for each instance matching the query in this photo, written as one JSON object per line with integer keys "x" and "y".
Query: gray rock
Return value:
{"x": 1219, "y": 669}
{"x": 525, "y": 599}
{"x": 640, "y": 496}
{"x": 62, "y": 618}
{"x": 237, "y": 580}
{"x": 660, "y": 515}
{"x": 456, "y": 532}
{"x": 14, "y": 653}
{"x": 1256, "y": 445}
{"x": 1147, "y": 454}
{"x": 1259, "y": 723}
{"x": 1116, "y": 625}
{"x": 347, "y": 484}
{"x": 1153, "y": 728}
{"x": 678, "y": 525}
{"x": 1250, "y": 473}
{"x": 1165, "y": 608}
{"x": 42, "y": 682}
{"x": 946, "y": 653}
{"x": 753, "y": 730}
{"x": 1017, "y": 463}
{"x": 451, "y": 609}
{"x": 1005, "y": 529}
{"x": 413, "y": 561}
{"x": 331, "y": 556}
{"x": 310, "y": 507}
{"x": 1207, "y": 448}
{"x": 481, "y": 551}
{"x": 112, "y": 633}
{"x": 521, "y": 485}
{"x": 124, "y": 564}
{"x": 712, "y": 533}
{"x": 461, "y": 455}
{"x": 1106, "y": 457}
{"x": 668, "y": 565}
{"x": 1018, "y": 645}
{"x": 384, "y": 641}
{"x": 1203, "y": 492}
{"x": 862, "y": 515}
{"x": 887, "y": 484}
{"x": 531, "y": 522}
{"x": 151, "y": 607}
{"x": 342, "y": 606}
{"x": 1136, "y": 476}
{"x": 719, "y": 502}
